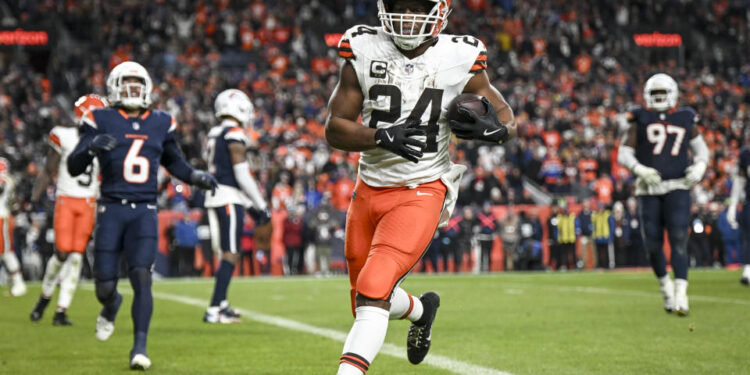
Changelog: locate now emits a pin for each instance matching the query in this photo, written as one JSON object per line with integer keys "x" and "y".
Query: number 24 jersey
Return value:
{"x": 396, "y": 88}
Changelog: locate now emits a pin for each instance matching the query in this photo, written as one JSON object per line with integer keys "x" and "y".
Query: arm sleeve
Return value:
{"x": 174, "y": 161}
{"x": 700, "y": 150}
{"x": 738, "y": 184}
{"x": 80, "y": 158}
{"x": 626, "y": 157}
{"x": 248, "y": 185}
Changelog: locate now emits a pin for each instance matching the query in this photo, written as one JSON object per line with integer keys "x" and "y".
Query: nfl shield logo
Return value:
{"x": 409, "y": 68}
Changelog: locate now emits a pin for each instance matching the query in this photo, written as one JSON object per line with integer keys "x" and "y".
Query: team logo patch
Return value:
{"x": 136, "y": 126}
{"x": 409, "y": 68}
{"x": 378, "y": 69}
{"x": 354, "y": 195}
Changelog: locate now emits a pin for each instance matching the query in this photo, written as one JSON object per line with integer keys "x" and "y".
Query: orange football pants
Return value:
{"x": 6, "y": 234}
{"x": 388, "y": 231}
{"x": 74, "y": 222}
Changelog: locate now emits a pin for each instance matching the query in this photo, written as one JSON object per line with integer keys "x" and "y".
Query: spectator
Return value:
{"x": 293, "y": 239}
{"x": 584, "y": 230}
{"x": 604, "y": 236}
{"x": 185, "y": 242}
{"x": 566, "y": 238}
{"x": 488, "y": 226}
{"x": 324, "y": 224}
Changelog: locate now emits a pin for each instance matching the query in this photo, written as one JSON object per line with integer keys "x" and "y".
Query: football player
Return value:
{"x": 7, "y": 189}
{"x": 75, "y": 210}
{"x": 225, "y": 155}
{"x": 740, "y": 186}
{"x": 130, "y": 141}
{"x": 400, "y": 78}
{"x": 655, "y": 149}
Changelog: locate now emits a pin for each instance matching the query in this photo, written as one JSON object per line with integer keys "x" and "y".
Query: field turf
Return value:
{"x": 510, "y": 323}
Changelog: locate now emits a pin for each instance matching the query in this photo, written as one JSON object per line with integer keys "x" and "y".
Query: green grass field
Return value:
{"x": 512, "y": 323}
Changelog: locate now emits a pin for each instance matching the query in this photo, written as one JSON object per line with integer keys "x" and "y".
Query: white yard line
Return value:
{"x": 434, "y": 360}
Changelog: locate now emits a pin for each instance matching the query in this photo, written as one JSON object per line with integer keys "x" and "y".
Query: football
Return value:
{"x": 471, "y": 102}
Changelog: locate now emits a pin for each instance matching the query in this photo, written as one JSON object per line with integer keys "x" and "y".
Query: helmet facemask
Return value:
{"x": 660, "y": 92}
{"x": 424, "y": 21}
{"x": 129, "y": 86}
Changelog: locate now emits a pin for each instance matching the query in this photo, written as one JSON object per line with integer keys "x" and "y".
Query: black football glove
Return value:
{"x": 204, "y": 180}
{"x": 398, "y": 140}
{"x": 260, "y": 217}
{"x": 102, "y": 142}
{"x": 484, "y": 128}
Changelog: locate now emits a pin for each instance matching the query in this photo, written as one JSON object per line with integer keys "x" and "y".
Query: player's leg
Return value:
{"x": 18, "y": 287}
{"x": 371, "y": 322}
{"x": 226, "y": 223}
{"x": 745, "y": 242}
{"x": 677, "y": 220}
{"x": 140, "y": 250}
{"x": 107, "y": 250}
{"x": 652, "y": 230}
{"x": 393, "y": 253}
{"x": 62, "y": 225}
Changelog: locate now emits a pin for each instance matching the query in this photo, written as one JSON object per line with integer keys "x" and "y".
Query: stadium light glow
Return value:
{"x": 20, "y": 37}
{"x": 657, "y": 39}
{"x": 332, "y": 39}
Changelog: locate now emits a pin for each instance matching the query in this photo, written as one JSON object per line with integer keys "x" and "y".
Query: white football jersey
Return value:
{"x": 8, "y": 186}
{"x": 397, "y": 88}
{"x": 64, "y": 140}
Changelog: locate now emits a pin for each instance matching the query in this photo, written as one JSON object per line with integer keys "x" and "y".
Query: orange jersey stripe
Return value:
{"x": 55, "y": 139}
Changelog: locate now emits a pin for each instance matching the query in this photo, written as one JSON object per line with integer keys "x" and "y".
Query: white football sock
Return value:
{"x": 680, "y": 286}
{"x": 665, "y": 280}
{"x": 11, "y": 262}
{"x": 69, "y": 274}
{"x": 746, "y": 271}
{"x": 50, "y": 276}
{"x": 405, "y": 306}
{"x": 364, "y": 340}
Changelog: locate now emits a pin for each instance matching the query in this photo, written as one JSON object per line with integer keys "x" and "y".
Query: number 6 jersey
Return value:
{"x": 64, "y": 140}
{"x": 397, "y": 88}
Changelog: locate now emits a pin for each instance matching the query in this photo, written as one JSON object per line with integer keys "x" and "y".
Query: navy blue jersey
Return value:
{"x": 745, "y": 166}
{"x": 663, "y": 138}
{"x": 129, "y": 171}
{"x": 218, "y": 157}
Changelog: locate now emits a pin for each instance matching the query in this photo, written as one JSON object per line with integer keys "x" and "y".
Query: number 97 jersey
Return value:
{"x": 663, "y": 139}
{"x": 397, "y": 89}
{"x": 64, "y": 140}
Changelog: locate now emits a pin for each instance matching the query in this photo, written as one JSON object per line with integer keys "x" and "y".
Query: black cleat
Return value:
{"x": 420, "y": 332}
{"x": 745, "y": 281}
{"x": 61, "y": 319}
{"x": 39, "y": 308}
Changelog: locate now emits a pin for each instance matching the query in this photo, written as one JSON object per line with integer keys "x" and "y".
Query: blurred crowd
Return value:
{"x": 569, "y": 69}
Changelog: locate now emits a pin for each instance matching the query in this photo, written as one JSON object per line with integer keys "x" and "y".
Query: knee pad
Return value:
{"x": 678, "y": 240}
{"x": 105, "y": 290}
{"x": 140, "y": 277}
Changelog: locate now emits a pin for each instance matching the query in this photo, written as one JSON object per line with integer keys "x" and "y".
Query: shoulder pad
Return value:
{"x": 467, "y": 47}
{"x": 357, "y": 37}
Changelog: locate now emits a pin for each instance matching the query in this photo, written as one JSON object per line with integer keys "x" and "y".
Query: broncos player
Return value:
{"x": 740, "y": 186}
{"x": 130, "y": 141}
{"x": 226, "y": 148}
{"x": 75, "y": 210}
{"x": 655, "y": 150}
{"x": 400, "y": 78}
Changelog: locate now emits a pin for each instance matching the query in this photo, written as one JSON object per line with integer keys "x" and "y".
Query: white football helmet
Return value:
{"x": 660, "y": 92}
{"x": 236, "y": 104}
{"x": 120, "y": 93}
{"x": 409, "y": 31}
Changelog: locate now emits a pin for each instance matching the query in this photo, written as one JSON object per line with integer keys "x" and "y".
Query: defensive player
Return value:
{"x": 225, "y": 155}
{"x": 740, "y": 186}
{"x": 130, "y": 141}
{"x": 655, "y": 150}
{"x": 400, "y": 77}
{"x": 7, "y": 189}
{"x": 75, "y": 211}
